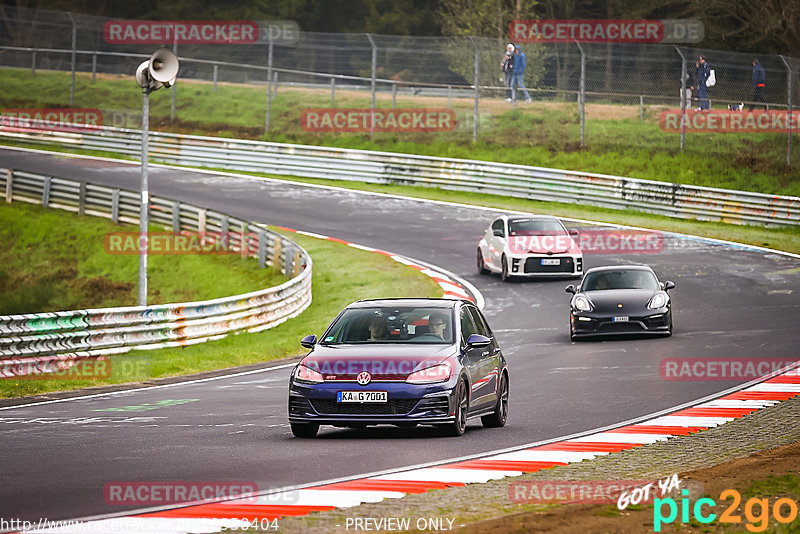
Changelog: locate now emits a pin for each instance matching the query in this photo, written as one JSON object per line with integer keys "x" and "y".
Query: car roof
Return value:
{"x": 620, "y": 268}
{"x": 530, "y": 217}
{"x": 416, "y": 302}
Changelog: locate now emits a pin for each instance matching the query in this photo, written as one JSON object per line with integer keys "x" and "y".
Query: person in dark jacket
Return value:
{"x": 759, "y": 82}
{"x": 703, "y": 72}
{"x": 507, "y": 64}
{"x": 518, "y": 79}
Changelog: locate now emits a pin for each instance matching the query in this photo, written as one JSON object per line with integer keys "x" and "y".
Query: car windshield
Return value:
{"x": 391, "y": 325}
{"x": 535, "y": 227}
{"x": 622, "y": 279}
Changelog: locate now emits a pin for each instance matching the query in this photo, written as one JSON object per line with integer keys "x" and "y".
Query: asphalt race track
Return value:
{"x": 57, "y": 457}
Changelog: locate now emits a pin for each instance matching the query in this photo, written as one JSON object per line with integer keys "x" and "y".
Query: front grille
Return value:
{"x": 534, "y": 265}
{"x": 299, "y": 406}
{"x": 434, "y": 404}
{"x": 393, "y": 407}
{"x": 628, "y": 326}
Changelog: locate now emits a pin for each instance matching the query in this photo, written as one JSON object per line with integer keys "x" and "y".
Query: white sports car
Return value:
{"x": 532, "y": 246}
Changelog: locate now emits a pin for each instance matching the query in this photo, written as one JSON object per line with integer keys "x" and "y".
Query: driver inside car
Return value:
{"x": 437, "y": 324}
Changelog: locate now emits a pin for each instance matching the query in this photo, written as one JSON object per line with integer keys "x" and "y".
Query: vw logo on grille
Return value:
{"x": 363, "y": 378}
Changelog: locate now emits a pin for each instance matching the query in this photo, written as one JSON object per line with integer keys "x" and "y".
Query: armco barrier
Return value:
{"x": 536, "y": 183}
{"x": 48, "y": 341}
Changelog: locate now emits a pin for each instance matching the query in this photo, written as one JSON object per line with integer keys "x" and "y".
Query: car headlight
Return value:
{"x": 430, "y": 375}
{"x": 658, "y": 301}
{"x": 307, "y": 375}
{"x": 581, "y": 303}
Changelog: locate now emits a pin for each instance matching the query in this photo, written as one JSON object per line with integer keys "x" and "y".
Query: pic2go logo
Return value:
{"x": 756, "y": 522}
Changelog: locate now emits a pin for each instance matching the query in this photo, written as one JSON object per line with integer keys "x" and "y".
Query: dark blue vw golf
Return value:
{"x": 403, "y": 362}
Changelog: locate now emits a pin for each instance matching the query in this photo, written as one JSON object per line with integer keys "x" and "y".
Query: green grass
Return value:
{"x": 542, "y": 134}
{"x": 53, "y": 260}
{"x": 342, "y": 274}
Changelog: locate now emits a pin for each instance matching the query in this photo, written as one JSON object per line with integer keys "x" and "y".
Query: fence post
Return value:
{"x": 269, "y": 83}
{"x": 9, "y": 185}
{"x": 275, "y": 84}
{"x": 394, "y": 95}
{"x": 788, "y": 110}
{"x": 176, "y": 217}
{"x": 46, "y": 191}
{"x": 641, "y": 108}
{"x": 372, "y": 86}
{"x": 449, "y": 105}
{"x": 262, "y": 249}
{"x": 215, "y": 77}
{"x": 477, "y": 72}
{"x": 683, "y": 97}
{"x": 94, "y": 66}
{"x": 333, "y": 89}
{"x": 74, "y": 47}
{"x": 115, "y": 205}
{"x": 82, "y": 198}
{"x": 582, "y": 93}
{"x": 33, "y": 64}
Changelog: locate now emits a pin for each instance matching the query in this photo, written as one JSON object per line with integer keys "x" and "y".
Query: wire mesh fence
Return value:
{"x": 570, "y": 96}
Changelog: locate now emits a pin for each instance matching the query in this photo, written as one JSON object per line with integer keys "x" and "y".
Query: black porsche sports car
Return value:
{"x": 626, "y": 299}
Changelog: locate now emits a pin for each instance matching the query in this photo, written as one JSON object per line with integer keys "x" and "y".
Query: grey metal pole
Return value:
{"x": 641, "y": 108}
{"x": 788, "y": 111}
{"x": 74, "y": 48}
{"x": 144, "y": 209}
{"x": 394, "y": 96}
{"x": 33, "y": 64}
{"x": 333, "y": 89}
{"x": 174, "y": 87}
{"x": 269, "y": 84}
{"x": 215, "y": 78}
{"x": 449, "y": 105}
{"x": 582, "y": 95}
{"x": 683, "y": 97}
{"x": 374, "y": 74}
{"x": 94, "y": 66}
{"x": 477, "y": 97}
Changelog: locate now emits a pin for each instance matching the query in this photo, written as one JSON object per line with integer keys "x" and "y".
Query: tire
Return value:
{"x": 504, "y": 276}
{"x": 500, "y": 415}
{"x": 481, "y": 264}
{"x": 459, "y": 426}
{"x": 304, "y": 430}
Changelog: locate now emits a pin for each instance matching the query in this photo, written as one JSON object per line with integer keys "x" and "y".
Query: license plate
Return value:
{"x": 362, "y": 396}
{"x": 551, "y": 261}
{"x": 621, "y": 319}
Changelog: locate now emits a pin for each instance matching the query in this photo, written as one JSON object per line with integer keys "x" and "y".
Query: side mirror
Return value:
{"x": 309, "y": 341}
{"x": 570, "y": 289}
{"x": 498, "y": 233}
{"x": 574, "y": 233}
{"x": 477, "y": 340}
{"x": 669, "y": 284}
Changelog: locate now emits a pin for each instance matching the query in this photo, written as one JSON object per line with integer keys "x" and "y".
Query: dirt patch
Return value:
{"x": 737, "y": 474}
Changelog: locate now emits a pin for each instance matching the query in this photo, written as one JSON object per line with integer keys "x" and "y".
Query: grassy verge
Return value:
{"x": 341, "y": 275}
{"x": 543, "y": 133}
{"x": 54, "y": 260}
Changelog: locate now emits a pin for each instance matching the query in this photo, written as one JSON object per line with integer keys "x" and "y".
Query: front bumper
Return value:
{"x": 530, "y": 265}
{"x": 407, "y": 403}
{"x": 590, "y": 324}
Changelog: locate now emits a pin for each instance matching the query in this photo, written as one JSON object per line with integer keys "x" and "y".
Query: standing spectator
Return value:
{"x": 703, "y": 72}
{"x": 507, "y": 64}
{"x": 759, "y": 82}
{"x": 520, "y": 62}
{"x": 686, "y": 98}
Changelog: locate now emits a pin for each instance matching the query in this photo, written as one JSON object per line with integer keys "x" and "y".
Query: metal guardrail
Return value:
{"x": 521, "y": 181}
{"x": 43, "y": 342}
